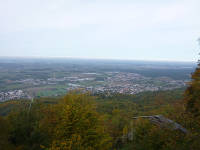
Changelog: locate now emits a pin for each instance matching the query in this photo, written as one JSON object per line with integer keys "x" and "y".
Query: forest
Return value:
{"x": 80, "y": 120}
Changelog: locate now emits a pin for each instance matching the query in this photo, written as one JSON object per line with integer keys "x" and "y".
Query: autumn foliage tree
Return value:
{"x": 78, "y": 126}
{"x": 71, "y": 124}
{"x": 192, "y": 93}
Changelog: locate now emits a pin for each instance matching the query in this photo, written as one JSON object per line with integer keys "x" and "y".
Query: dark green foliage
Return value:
{"x": 4, "y": 135}
{"x": 25, "y": 132}
{"x": 192, "y": 94}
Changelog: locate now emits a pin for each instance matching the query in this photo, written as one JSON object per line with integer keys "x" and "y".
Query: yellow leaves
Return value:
{"x": 125, "y": 130}
{"x": 78, "y": 125}
{"x": 42, "y": 147}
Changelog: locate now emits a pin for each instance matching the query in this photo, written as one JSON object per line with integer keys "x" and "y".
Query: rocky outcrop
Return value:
{"x": 164, "y": 122}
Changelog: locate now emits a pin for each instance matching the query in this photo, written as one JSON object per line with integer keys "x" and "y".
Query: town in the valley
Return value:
{"x": 112, "y": 82}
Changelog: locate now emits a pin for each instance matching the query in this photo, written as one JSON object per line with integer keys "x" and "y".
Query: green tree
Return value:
{"x": 4, "y": 135}
{"x": 192, "y": 93}
{"x": 24, "y": 131}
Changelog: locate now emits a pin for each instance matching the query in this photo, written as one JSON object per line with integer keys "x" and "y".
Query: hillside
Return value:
{"x": 68, "y": 122}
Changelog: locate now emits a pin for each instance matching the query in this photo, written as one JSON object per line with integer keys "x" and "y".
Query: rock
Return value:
{"x": 164, "y": 122}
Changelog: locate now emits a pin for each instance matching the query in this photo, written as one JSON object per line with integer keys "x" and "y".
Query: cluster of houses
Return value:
{"x": 13, "y": 95}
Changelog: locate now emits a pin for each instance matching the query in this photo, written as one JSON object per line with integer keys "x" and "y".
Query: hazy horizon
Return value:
{"x": 92, "y": 59}
{"x": 122, "y": 30}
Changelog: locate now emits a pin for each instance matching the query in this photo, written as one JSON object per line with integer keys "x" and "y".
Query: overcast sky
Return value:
{"x": 122, "y": 29}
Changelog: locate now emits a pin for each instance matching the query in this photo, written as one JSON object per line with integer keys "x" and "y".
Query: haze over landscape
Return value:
{"x": 99, "y": 75}
{"x": 137, "y": 30}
